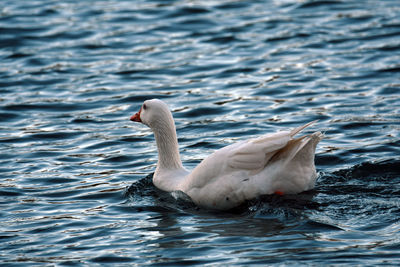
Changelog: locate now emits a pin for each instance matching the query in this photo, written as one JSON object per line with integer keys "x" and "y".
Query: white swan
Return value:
{"x": 273, "y": 163}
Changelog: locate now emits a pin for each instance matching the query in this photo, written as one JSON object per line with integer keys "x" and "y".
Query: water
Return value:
{"x": 76, "y": 173}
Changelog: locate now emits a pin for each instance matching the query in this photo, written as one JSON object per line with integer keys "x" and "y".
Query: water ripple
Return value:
{"x": 76, "y": 173}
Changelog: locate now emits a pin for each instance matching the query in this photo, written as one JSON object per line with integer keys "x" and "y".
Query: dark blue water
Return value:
{"x": 75, "y": 173}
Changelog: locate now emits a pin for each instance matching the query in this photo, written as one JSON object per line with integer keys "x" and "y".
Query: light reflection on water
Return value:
{"x": 73, "y": 73}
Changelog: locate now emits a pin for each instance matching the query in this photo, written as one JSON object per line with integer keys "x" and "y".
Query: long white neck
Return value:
{"x": 169, "y": 173}
{"x": 167, "y": 145}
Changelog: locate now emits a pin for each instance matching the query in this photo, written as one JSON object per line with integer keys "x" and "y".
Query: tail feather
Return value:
{"x": 300, "y": 128}
{"x": 296, "y": 146}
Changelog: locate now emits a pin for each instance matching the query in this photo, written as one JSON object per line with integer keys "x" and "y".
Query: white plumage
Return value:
{"x": 273, "y": 163}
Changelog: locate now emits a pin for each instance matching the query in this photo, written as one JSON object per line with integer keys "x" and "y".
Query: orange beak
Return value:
{"x": 136, "y": 117}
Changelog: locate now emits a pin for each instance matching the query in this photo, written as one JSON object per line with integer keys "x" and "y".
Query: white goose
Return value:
{"x": 273, "y": 163}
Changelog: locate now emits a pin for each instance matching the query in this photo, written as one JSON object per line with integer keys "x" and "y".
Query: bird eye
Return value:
{"x": 144, "y": 106}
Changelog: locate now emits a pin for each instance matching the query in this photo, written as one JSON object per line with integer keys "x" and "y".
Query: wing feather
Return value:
{"x": 255, "y": 153}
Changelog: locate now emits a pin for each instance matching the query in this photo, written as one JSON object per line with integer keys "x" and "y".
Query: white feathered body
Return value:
{"x": 245, "y": 170}
{"x": 273, "y": 163}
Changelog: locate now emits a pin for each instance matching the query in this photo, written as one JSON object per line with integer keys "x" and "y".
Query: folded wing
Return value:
{"x": 254, "y": 154}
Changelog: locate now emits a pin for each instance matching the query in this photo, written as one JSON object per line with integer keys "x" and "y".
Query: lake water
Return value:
{"x": 75, "y": 173}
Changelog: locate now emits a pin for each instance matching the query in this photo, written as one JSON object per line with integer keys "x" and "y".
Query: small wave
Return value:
{"x": 376, "y": 178}
{"x": 144, "y": 194}
{"x": 386, "y": 171}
